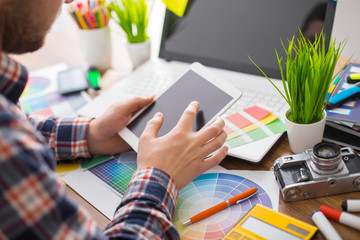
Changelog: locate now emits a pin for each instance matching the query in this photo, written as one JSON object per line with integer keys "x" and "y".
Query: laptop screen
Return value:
{"x": 223, "y": 33}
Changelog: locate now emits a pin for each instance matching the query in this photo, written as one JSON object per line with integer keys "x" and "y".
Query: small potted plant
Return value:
{"x": 307, "y": 80}
{"x": 133, "y": 16}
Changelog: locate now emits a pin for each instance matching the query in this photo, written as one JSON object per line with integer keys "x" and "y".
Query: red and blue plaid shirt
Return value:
{"x": 34, "y": 204}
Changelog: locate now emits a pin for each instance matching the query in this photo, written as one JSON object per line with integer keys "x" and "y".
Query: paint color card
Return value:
{"x": 117, "y": 172}
{"x": 257, "y": 112}
{"x": 250, "y": 125}
{"x": 95, "y": 161}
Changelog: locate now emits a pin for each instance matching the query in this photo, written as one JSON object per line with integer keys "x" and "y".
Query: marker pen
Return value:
{"x": 342, "y": 217}
{"x": 351, "y": 205}
{"x": 325, "y": 226}
{"x": 344, "y": 96}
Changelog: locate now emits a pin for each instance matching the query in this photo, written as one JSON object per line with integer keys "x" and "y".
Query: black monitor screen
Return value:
{"x": 222, "y": 33}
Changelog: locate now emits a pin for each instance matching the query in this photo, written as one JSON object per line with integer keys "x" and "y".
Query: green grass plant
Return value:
{"x": 133, "y": 17}
{"x": 309, "y": 75}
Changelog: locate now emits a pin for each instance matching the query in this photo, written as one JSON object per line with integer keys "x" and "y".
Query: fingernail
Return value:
{"x": 158, "y": 115}
{"x": 194, "y": 104}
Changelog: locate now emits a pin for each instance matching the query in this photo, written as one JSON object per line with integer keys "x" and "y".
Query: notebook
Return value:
{"x": 221, "y": 35}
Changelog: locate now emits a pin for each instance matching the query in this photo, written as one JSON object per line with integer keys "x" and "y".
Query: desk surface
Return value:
{"x": 60, "y": 48}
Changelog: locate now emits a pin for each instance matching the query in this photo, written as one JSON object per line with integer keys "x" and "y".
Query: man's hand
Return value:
{"x": 181, "y": 153}
{"x": 103, "y": 137}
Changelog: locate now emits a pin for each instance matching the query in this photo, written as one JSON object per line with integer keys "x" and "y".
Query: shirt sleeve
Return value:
{"x": 147, "y": 208}
{"x": 67, "y": 137}
{"x": 34, "y": 204}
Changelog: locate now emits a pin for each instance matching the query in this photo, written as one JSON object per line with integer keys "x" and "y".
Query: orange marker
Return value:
{"x": 221, "y": 206}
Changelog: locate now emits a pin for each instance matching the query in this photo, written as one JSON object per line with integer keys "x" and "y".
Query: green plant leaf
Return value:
{"x": 309, "y": 75}
{"x": 132, "y": 17}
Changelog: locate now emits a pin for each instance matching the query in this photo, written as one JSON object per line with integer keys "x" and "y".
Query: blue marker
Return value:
{"x": 344, "y": 96}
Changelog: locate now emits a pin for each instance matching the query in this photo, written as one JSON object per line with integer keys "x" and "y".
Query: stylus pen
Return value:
{"x": 225, "y": 204}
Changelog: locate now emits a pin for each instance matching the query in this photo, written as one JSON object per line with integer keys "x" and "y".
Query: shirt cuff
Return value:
{"x": 70, "y": 138}
{"x": 155, "y": 184}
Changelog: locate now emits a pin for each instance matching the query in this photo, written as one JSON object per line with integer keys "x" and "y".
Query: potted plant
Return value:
{"x": 133, "y": 16}
{"x": 309, "y": 74}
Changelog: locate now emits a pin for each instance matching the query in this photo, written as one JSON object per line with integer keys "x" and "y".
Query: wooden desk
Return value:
{"x": 60, "y": 48}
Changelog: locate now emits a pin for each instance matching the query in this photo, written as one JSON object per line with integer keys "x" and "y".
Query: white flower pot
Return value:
{"x": 139, "y": 52}
{"x": 304, "y": 136}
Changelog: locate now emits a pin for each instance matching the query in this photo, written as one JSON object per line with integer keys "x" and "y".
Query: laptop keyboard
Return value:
{"x": 250, "y": 97}
{"x": 157, "y": 82}
{"x": 153, "y": 83}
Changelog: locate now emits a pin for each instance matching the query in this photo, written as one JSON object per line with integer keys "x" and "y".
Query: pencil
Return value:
{"x": 75, "y": 18}
{"x": 100, "y": 16}
{"x": 81, "y": 20}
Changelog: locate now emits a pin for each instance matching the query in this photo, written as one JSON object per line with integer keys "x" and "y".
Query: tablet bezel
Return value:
{"x": 206, "y": 74}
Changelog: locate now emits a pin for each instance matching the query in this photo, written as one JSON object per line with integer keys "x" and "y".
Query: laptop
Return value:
{"x": 221, "y": 35}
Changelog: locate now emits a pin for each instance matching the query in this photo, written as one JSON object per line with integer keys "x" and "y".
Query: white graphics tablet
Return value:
{"x": 214, "y": 94}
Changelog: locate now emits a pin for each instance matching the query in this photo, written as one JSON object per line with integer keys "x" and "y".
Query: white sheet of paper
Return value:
{"x": 106, "y": 200}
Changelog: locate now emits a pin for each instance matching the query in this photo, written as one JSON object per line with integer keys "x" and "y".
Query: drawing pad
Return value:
{"x": 214, "y": 94}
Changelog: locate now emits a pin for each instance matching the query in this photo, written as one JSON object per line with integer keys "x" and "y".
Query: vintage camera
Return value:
{"x": 324, "y": 170}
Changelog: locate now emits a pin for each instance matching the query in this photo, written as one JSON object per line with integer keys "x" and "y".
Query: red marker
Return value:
{"x": 341, "y": 217}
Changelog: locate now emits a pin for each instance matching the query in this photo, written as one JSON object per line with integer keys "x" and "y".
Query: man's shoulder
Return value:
{"x": 9, "y": 112}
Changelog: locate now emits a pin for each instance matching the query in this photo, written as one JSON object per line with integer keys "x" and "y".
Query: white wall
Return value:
{"x": 347, "y": 25}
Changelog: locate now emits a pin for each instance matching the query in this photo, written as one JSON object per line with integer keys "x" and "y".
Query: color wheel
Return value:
{"x": 208, "y": 190}
{"x": 35, "y": 85}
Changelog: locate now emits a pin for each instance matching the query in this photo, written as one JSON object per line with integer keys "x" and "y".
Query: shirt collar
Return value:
{"x": 13, "y": 78}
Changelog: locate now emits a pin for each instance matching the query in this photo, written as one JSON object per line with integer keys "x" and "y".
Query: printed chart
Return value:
{"x": 117, "y": 172}
{"x": 250, "y": 125}
{"x": 208, "y": 190}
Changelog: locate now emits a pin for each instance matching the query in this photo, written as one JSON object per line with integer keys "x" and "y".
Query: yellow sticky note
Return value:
{"x": 268, "y": 119}
{"x": 176, "y": 6}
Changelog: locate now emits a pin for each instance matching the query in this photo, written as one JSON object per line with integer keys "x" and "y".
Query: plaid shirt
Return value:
{"x": 34, "y": 204}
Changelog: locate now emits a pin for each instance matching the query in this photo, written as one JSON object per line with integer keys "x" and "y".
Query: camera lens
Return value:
{"x": 326, "y": 150}
{"x": 326, "y": 158}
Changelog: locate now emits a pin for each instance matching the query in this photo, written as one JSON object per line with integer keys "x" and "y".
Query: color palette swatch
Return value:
{"x": 117, "y": 172}
{"x": 54, "y": 103}
{"x": 41, "y": 95}
{"x": 208, "y": 190}
{"x": 250, "y": 125}
{"x": 35, "y": 85}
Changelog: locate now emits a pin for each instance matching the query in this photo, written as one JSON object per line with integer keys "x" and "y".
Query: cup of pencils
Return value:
{"x": 92, "y": 18}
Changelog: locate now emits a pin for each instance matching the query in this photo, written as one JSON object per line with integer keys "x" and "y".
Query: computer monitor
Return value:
{"x": 223, "y": 33}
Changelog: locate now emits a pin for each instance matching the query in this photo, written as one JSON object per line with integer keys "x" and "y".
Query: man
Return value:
{"x": 33, "y": 204}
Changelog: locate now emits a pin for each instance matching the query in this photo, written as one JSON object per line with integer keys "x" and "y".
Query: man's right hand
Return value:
{"x": 182, "y": 153}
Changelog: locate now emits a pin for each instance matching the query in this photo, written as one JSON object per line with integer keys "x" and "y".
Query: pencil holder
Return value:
{"x": 97, "y": 48}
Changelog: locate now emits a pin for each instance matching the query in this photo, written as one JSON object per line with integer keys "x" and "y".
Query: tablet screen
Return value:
{"x": 190, "y": 87}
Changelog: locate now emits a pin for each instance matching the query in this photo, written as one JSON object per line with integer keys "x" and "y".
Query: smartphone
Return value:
{"x": 72, "y": 80}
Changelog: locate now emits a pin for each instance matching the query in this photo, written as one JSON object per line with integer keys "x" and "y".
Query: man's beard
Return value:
{"x": 18, "y": 44}
{"x": 19, "y": 38}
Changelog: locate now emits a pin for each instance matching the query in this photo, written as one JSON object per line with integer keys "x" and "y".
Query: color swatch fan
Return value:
{"x": 208, "y": 190}
{"x": 250, "y": 125}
